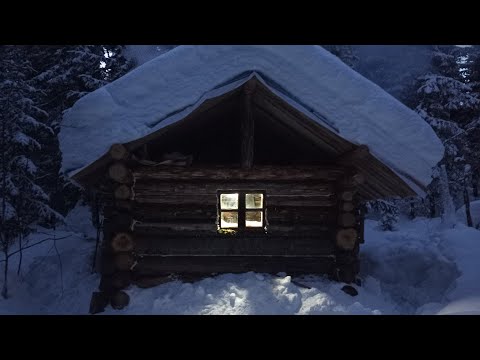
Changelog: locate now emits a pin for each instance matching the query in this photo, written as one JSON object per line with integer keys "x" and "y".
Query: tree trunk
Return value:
{"x": 5, "y": 276}
{"x": 466, "y": 199}
{"x": 20, "y": 246}
{"x": 412, "y": 210}
{"x": 432, "y": 206}
{"x": 475, "y": 187}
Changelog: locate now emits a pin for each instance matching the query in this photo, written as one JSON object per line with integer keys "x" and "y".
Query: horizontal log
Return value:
{"x": 232, "y": 245}
{"x": 205, "y": 228}
{"x": 277, "y": 173}
{"x": 275, "y": 214}
{"x": 271, "y": 200}
{"x": 201, "y": 188}
{"x": 156, "y": 265}
{"x": 145, "y": 282}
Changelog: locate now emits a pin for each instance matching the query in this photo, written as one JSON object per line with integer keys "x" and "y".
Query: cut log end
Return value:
{"x": 346, "y": 239}
{"x": 119, "y": 300}
{"x": 120, "y": 173}
{"x": 347, "y": 196}
{"x": 122, "y": 242}
{"x": 348, "y": 206}
{"x": 123, "y": 192}
{"x": 119, "y": 152}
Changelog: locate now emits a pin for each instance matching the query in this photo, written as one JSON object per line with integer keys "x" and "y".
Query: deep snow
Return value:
{"x": 172, "y": 85}
{"x": 420, "y": 269}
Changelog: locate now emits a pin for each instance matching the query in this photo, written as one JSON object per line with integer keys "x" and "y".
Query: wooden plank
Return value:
{"x": 155, "y": 265}
{"x": 233, "y": 245}
{"x": 247, "y": 127}
{"x": 352, "y": 156}
{"x": 281, "y": 111}
{"x": 277, "y": 173}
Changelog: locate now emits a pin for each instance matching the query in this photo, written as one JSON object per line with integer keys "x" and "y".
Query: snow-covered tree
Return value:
{"x": 63, "y": 74}
{"x": 448, "y": 209}
{"x": 446, "y": 99}
{"x": 23, "y": 202}
{"x": 387, "y": 210}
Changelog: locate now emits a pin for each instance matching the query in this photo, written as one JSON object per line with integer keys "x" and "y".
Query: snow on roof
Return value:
{"x": 169, "y": 87}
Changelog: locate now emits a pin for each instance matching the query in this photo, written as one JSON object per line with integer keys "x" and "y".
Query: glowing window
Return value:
{"x": 241, "y": 209}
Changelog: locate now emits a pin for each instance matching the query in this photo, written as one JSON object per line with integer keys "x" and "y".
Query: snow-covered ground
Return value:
{"x": 420, "y": 269}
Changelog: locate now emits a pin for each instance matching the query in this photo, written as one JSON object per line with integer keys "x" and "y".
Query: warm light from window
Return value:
{"x": 229, "y": 201}
{"x": 254, "y": 219}
{"x": 254, "y": 201}
{"x": 229, "y": 219}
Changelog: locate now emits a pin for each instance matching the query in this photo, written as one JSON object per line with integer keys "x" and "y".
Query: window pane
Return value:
{"x": 229, "y": 201}
{"x": 254, "y": 218}
{"x": 229, "y": 219}
{"x": 254, "y": 201}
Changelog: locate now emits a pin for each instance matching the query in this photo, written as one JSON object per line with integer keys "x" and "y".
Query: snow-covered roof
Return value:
{"x": 169, "y": 87}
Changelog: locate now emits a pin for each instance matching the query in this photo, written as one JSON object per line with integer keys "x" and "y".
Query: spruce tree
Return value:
{"x": 446, "y": 100}
{"x": 23, "y": 201}
{"x": 65, "y": 73}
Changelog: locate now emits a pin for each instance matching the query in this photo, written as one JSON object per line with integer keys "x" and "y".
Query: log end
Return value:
{"x": 119, "y": 300}
{"x": 122, "y": 242}
{"x": 346, "y": 239}
{"x": 118, "y": 152}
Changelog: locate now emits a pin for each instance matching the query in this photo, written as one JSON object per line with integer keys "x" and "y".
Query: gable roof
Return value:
{"x": 168, "y": 88}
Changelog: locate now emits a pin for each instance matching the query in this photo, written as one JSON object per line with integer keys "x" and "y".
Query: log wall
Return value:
{"x": 161, "y": 220}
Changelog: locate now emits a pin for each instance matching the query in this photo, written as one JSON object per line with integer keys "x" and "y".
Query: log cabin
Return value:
{"x": 222, "y": 159}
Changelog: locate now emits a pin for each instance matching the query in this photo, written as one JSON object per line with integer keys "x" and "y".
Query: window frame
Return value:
{"x": 242, "y": 210}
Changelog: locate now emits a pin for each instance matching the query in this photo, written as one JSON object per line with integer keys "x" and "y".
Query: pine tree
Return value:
{"x": 23, "y": 202}
{"x": 446, "y": 100}
{"x": 64, "y": 74}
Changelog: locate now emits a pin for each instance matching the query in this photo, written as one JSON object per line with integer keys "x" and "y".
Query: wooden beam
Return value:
{"x": 350, "y": 157}
{"x": 201, "y": 188}
{"x": 281, "y": 173}
{"x": 248, "y": 126}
